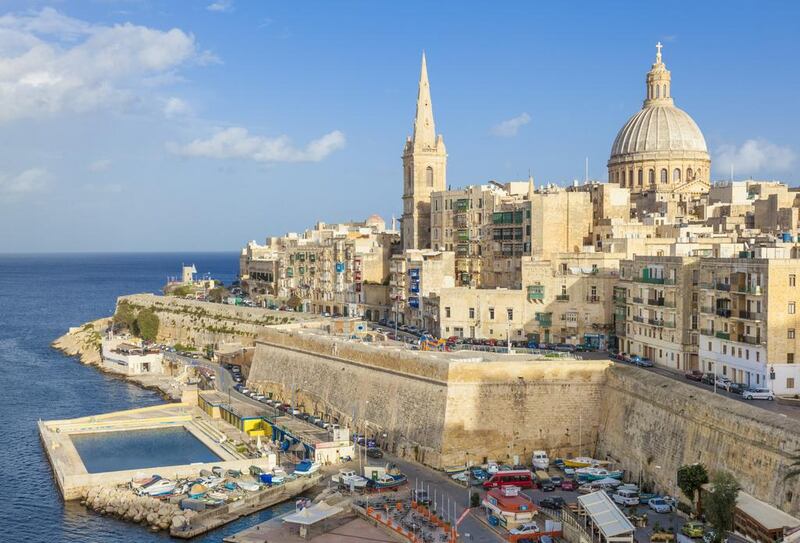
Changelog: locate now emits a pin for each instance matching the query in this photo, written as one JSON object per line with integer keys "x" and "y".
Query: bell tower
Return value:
{"x": 424, "y": 170}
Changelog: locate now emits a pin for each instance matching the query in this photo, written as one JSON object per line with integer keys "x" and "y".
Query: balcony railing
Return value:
{"x": 706, "y": 331}
{"x": 748, "y": 289}
{"x": 707, "y": 309}
{"x": 655, "y": 280}
{"x": 638, "y": 299}
{"x": 723, "y": 335}
{"x": 656, "y": 301}
{"x": 562, "y": 298}
{"x": 593, "y": 299}
{"x": 723, "y": 286}
{"x": 751, "y": 315}
{"x": 620, "y": 299}
{"x": 721, "y": 312}
{"x": 637, "y": 318}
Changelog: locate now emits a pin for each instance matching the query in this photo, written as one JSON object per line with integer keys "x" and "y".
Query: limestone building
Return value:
{"x": 660, "y": 149}
{"x": 424, "y": 170}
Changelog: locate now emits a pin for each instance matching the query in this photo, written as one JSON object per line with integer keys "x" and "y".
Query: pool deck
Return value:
{"x": 74, "y": 480}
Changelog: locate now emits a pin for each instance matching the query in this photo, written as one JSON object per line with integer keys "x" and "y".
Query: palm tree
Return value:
{"x": 794, "y": 467}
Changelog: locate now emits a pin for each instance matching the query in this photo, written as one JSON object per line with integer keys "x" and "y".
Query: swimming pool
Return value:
{"x": 138, "y": 449}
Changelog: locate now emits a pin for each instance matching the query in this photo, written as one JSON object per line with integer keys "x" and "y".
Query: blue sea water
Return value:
{"x": 41, "y": 296}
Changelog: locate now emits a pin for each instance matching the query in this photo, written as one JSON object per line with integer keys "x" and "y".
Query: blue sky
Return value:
{"x": 140, "y": 125}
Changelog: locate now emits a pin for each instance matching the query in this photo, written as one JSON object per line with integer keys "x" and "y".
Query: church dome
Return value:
{"x": 659, "y": 128}
{"x": 376, "y": 221}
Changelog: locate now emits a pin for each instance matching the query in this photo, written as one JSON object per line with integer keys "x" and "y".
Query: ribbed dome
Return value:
{"x": 659, "y": 128}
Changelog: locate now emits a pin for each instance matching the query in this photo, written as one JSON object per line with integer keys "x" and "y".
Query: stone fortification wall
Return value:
{"x": 654, "y": 424}
{"x": 190, "y": 322}
{"x": 496, "y": 410}
{"x": 433, "y": 409}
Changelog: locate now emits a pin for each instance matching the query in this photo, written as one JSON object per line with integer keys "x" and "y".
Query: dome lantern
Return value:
{"x": 657, "y": 91}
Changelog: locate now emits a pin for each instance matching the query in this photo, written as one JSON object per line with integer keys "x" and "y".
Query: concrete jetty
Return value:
{"x": 219, "y": 516}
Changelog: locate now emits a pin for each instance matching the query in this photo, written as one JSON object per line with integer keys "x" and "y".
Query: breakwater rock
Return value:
{"x": 124, "y": 504}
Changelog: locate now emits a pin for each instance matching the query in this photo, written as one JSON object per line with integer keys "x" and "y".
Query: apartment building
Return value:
{"x": 748, "y": 319}
{"x": 414, "y": 276}
{"x": 659, "y": 298}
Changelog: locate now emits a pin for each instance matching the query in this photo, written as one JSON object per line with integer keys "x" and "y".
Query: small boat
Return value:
{"x": 580, "y": 462}
{"x": 144, "y": 481}
{"x": 255, "y": 471}
{"x": 249, "y": 487}
{"x": 217, "y": 471}
{"x": 205, "y": 473}
{"x": 306, "y": 467}
{"x": 350, "y": 479}
{"x": 234, "y": 473}
{"x": 197, "y": 490}
{"x": 387, "y": 481}
{"x": 162, "y": 487}
{"x": 451, "y": 470}
{"x": 230, "y": 486}
{"x": 595, "y": 474}
{"x": 217, "y": 496}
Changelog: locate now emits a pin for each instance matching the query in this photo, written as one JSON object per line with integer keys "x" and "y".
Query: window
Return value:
{"x": 709, "y": 347}
{"x": 676, "y": 175}
{"x": 447, "y": 312}
{"x": 651, "y": 177}
{"x": 688, "y": 174}
{"x": 790, "y": 382}
{"x": 790, "y": 333}
{"x": 429, "y": 176}
{"x": 491, "y": 313}
{"x": 791, "y": 308}
{"x": 641, "y": 177}
{"x": 664, "y": 176}
{"x": 790, "y": 358}
{"x": 724, "y": 349}
{"x": 510, "y": 313}
{"x": 792, "y": 279}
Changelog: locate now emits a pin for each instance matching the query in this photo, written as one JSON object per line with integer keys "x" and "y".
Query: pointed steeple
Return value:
{"x": 531, "y": 186}
{"x": 424, "y": 130}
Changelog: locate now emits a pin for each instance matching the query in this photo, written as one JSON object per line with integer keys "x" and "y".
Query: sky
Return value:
{"x": 137, "y": 125}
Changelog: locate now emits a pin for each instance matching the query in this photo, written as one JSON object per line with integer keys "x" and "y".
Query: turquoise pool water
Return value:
{"x": 139, "y": 449}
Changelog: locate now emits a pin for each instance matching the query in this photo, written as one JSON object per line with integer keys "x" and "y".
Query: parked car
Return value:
{"x": 735, "y": 388}
{"x": 722, "y": 382}
{"x": 527, "y": 528}
{"x": 711, "y": 536}
{"x": 557, "y": 480}
{"x": 694, "y": 375}
{"x": 565, "y": 348}
{"x": 659, "y": 505}
{"x": 556, "y": 502}
{"x": 547, "y": 485}
{"x": 708, "y": 379}
{"x": 421, "y": 495}
{"x": 693, "y": 529}
{"x": 479, "y": 474}
{"x": 374, "y": 452}
{"x": 569, "y": 484}
{"x": 758, "y": 394}
{"x": 645, "y": 363}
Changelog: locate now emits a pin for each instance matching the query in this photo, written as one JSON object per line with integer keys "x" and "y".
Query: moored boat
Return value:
{"x": 197, "y": 490}
{"x": 249, "y": 487}
{"x": 595, "y": 474}
{"x": 161, "y": 487}
{"x": 387, "y": 481}
{"x": 144, "y": 481}
{"x": 349, "y": 478}
{"x": 306, "y": 467}
{"x": 580, "y": 462}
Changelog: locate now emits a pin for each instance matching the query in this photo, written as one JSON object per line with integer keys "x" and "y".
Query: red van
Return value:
{"x": 520, "y": 478}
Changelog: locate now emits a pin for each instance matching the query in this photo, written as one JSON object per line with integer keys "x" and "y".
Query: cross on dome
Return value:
{"x": 658, "y": 52}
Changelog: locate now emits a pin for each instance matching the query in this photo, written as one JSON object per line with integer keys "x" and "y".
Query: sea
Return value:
{"x": 41, "y": 296}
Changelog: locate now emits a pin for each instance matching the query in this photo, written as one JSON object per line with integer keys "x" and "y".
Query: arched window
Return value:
{"x": 641, "y": 177}
{"x": 429, "y": 176}
{"x": 676, "y": 175}
{"x": 665, "y": 91}
{"x": 658, "y": 91}
{"x": 688, "y": 174}
{"x": 651, "y": 177}
{"x": 664, "y": 175}
{"x": 622, "y": 178}
{"x": 409, "y": 177}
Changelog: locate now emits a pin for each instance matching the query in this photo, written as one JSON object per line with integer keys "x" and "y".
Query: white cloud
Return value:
{"x": 25, "y": 182}
{"x": 100, "y": 165}
{"x": 236, "y": 142}
{"x": 510, "y": 127}
{"x": 51, "y": 63}
{"x": 221, "y": 6}
{"x": 175, "y": 107}
{"x": 754, "y": 156}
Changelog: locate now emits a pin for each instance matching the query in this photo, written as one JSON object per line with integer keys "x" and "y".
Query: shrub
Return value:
{"x": 147, "y": 324}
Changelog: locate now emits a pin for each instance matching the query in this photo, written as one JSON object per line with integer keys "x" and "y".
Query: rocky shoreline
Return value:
{"x": 84, "y": 343}
{"x": 122, "y": 503}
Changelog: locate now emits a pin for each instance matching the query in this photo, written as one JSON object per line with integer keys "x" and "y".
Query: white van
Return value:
{"x": 540, "y": 460}
{"x": 626, "y": 496}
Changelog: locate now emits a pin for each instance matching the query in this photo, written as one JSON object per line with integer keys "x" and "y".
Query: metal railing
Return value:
{"x": 722, "y": 312}
{"x": 562, "y": 298}
{"x": 723, "y": 335}
{"x": 638, "y": 300}
{"x": 751, "y": 315}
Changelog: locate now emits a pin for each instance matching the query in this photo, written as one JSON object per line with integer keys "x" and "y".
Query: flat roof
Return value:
{"x": 768, "y": 516}
{"x": 605, "y": 514}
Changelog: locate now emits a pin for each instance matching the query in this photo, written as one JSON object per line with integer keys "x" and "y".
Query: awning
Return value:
{"x": 312, "y": 515}
{"x": 605, "y": 515}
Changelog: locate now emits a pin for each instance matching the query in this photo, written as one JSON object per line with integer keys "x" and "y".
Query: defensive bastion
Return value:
{"x": 445, "y": 409}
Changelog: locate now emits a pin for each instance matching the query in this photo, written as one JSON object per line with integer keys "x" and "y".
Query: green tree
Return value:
{"x": 217, "y": 294}
{"x": 124, "y": 316}
{"x": 147, "y": 324}
{"x": 720, "y": 502}
{"x": 294, "y": 302}
{"x": 690, "y": 478}
{"x": 794, "y": 467}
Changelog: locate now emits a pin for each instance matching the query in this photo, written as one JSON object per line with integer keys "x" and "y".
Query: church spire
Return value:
{"x": 424, "y": 130}
{"x": 658, "y": 92}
